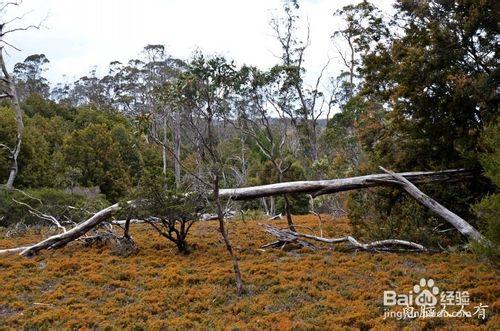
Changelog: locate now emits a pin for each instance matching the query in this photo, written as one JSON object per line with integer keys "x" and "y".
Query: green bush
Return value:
{"x": 175, "y": 211}
{"x": 299, "y": 204}
{"x": 390, "y": 213}
{"x": 488, "y": 209}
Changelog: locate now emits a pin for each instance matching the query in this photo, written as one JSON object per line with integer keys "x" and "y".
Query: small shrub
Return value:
{"x": 170, "y": 212}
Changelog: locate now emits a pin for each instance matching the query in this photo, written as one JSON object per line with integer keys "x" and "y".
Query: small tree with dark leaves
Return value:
{"x": 174, "y": 212}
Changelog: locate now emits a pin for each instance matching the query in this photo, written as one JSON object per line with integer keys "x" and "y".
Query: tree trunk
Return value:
{"x": 177, "y": 149}
{"x": 287, "y": 236}
{"x": 321, "y": 187}
{"x": 222, "y": 228}
{"x": 164, "y": 145}
{"x": 288, "y": 213}
{"x": 272, "y": 208}
{"x": 287, "y": 202}
{"x": 264, "y": 204}
{"x": 18, "y": 114}
{"x": 459, "y": 223}
{"x": 60, "y": 240}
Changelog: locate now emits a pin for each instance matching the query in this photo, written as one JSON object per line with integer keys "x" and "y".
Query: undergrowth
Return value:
{"x": 81, "y": 287}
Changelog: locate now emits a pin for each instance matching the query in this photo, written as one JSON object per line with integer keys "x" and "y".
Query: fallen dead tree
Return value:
{"x": 459, "y": 223}
{"x": 320, "y": 187}
{"x": 60, "y": 240}
{"x": 287, "y": 236}
{"x": 314, "y": 188}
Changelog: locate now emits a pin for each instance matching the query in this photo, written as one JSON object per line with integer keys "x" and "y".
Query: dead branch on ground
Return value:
{"x": 286, "y": 236}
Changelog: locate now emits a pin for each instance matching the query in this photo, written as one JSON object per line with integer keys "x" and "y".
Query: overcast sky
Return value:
{"x": 81, "y": 34}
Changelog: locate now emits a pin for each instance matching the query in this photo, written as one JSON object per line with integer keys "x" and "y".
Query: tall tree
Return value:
{"x": 207, "y": 90}
{"x": 362, "y": 28}
{"x": 430, "y": 90}
{"x": 304, "y": 104}
{"x": 438, "y": 75}
{"x": 29, "y": 76}
{"x": 269, "y": 134}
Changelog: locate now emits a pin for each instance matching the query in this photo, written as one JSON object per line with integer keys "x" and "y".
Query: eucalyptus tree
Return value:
{"x": 207, "y": 90}
{"x": 165, "y": 117}
{"x": 363, "y": 26}
{"x": 305, "y": 103}
{"x": 91, "y": 90}
{"x": 29, "y": 76}
{"x": 264, "y": 120}
{"x": 138, "y": 88}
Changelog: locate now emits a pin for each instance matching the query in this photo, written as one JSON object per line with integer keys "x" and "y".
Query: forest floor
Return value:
{"x": 82, "y": 287}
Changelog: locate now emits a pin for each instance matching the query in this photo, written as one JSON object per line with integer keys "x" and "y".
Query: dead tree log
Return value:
{"x": 459, "y": 223}
{"x": 60, "y": 240}
{"x": 314, "y": 188}
{"x": 286, "y": 236}
{"x": 321, "y": 187}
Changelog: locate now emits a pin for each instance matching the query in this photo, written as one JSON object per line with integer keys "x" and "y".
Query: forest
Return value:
{"x": 204, "y": 193}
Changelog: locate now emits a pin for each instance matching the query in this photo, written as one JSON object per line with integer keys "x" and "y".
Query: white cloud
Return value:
{"x": 82, "y": 34}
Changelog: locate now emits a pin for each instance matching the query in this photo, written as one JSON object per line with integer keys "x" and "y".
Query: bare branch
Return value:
{"x": 9, "y": 3}
{"x": 287, "y": 236}
{"x": 41, "y": 215}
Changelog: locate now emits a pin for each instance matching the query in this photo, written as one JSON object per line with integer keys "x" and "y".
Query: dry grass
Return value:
{"x": 79, "y": 287}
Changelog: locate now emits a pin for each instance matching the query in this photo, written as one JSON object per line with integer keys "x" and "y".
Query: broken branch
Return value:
{"x": 288, "y": 236}
{"x": 459, "y": 223}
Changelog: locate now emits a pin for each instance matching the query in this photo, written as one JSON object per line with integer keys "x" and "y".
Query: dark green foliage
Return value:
{"x": 438, "y": 78}
{"x": 391, "y": 213}
{"x": 170, "y": 212}
{"x": 430, "y": 91}
{"x": 488, "y": 209}
{"x": 96, "y": 155}
{"x": 299, "y": 204}
{"x": 65, "y": 147}
{"x": 37, "y": 104}
{"x": 414, "y": 97}
{"x": 8, "y": 138}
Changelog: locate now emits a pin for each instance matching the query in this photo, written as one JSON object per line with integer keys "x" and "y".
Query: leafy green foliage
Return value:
{"x": 95, "y": 153}
{"x": 416, "y": 97}
{"x": 64, "y": 147}
{"x": 489, "y": 207}
{"x": 29, "y": 79}
{"x": 170, "y": 212}
{"x": 429, "y": 93}
{"x": 438, "y": 79}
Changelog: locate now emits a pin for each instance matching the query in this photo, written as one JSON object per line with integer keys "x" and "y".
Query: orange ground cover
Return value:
{"x": 79, "y": 287}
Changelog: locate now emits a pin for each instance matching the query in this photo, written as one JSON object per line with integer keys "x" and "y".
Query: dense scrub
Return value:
{"x": 89, "y": 287}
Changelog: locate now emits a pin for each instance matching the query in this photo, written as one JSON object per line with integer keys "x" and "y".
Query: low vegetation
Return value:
{"x": 158, "y": 287}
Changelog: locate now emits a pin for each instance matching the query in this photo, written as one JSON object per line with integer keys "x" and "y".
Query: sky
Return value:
{"x": 79, "y": 35}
